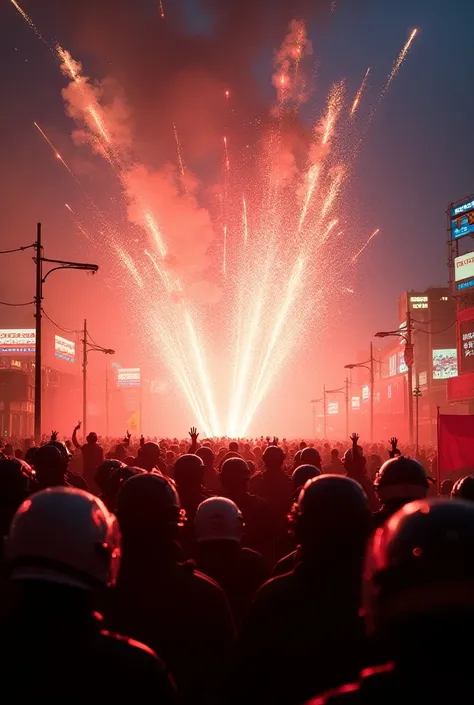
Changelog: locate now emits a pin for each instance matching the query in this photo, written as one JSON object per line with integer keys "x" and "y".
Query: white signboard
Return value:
{"x": 17, "y": 340}
{"x": 128, "y": 377}
{"x": 64, "y": 349}
{"x": 464, "y": 267}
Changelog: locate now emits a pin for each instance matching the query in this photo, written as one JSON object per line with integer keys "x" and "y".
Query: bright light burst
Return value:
{"x": 277, "y": 237}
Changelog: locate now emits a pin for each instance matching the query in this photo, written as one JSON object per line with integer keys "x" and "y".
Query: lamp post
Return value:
{"x": 40, "y": 280}
{"x": 370, "y": 368}
{"x": 88, "y": 347}
{"x": 406, "y": 334}
{"x": 417, "y": 394}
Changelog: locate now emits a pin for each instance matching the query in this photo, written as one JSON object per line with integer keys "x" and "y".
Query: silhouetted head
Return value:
{"x": 234, "y": 446}
{"x": 16, "y": 483}
{"x": 218, "y": 519}
{"x": 401, "y": 479}
{"x": 120, "y": 452}
{"x": 207, "y": 457}
{"x": 311, "y": 456}
{"x": 104, "y": 473}
{"x": 92, "y": 437}
{"x": 463, "y": 488}
{"x": 420, "y": 563}
{"x": 302, "y": 474}
{"x": 148, "y": 509}
{"x": 189, "y": 473}
{"x": 50, "y": 466}
{"x": 273, "y": 457}
{"x": 235, "y": 476}
{"x": 334, "y": 454}
{"x": 297, "y": 460}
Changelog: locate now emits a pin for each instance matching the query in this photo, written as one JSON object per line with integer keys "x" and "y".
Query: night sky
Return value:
{"x": 415, "y": 158}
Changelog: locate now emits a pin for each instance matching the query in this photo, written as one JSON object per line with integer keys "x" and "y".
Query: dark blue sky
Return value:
{"x": 416, "y": 157}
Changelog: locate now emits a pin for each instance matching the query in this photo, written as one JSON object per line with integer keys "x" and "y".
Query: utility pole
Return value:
{"x": 313, "y": 414}
{"x": 38, "y": 300}
{"x": 40, "y": 280}
{"x": 372, "y": 392}
{"x": 324, "y": 412}
{"x": 106, "y": 397}
{"x": 347, "y": 407}
{"x": 84, "y": 380}
{"x": 417, "y": 394}
{"x": 409, "y": 363}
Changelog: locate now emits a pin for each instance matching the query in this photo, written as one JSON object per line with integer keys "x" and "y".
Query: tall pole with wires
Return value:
{"x": 38, "y": 300}
{"x": 84, "y": 380}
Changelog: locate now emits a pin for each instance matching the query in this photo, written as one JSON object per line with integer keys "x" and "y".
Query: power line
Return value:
{"x": 65, "y": 330}
{"x": 435, "y": 332}
{"x": 18, "y": 249}
{"x": 5, "y": 303}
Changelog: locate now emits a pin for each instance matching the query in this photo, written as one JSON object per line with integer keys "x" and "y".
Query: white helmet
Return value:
{"x": 64, "y": 535}
{"x": 218, "y": 519}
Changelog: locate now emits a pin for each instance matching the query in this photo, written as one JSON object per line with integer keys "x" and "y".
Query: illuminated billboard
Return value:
{"x": 417, "y": 302}
{"x": 392, "y": 365}
{"x": 445, "y": 363}
{"x": 402, "y": 366}
{"x": 355, "y": 403}
{"x": 365, "y": 392}
{"x": 128, "y": 377}
{"x": 464, "y": 271}
{"x": 333, "y": 407}
{"x": 466, "y": 334}
{"x": 17, "y": 341}
{"x": 462, "y": 220}
{"x": 64, "y": 349}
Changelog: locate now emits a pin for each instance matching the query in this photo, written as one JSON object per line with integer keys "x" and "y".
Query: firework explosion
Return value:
{"x": 277, "y": 233}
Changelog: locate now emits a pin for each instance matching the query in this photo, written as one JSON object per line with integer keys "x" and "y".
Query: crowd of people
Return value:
{"x": 233, "y": 571}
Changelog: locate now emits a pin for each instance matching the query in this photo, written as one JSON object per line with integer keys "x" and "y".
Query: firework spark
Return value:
{"x": 162, "y": 9}
{"x": 358, "y": 95}
{"x": 357, "y": 254}
{"x": 56, "y": 153}
{"x": 401, "y": 58}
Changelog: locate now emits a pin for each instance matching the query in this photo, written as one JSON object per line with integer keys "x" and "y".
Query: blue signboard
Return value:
{"x": 462, "y": 220}
{"x": 465, "y": 284}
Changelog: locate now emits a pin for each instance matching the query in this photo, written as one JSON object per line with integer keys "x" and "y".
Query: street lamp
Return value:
{"x": 371, "y": 379}
{"x": 40, "y": 280}
{"x": 88, "y": 347}
{"x": 406, "y": 334}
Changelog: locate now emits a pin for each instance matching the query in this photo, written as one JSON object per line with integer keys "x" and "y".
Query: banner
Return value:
{"x": 455, "y": 443}
{"x": 17, "y": 340}
{"x": 64, "y": 349}
{"x": 128, "y": 377}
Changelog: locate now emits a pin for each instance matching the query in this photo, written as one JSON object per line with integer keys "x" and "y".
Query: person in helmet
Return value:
{"x": 17, "y": 482}
{"x": 335, "y": 465}
{"x": 463, "y": 488}
{"x": 417, "y": 599}
{"x": 400, "y": 480}
{"x": 149, "y": 457}
{"x": 311, "y": 456}
{"x": 303, "y": 633}
{"x": 162, "y": 601}
{"x": 274, "y": 485}
{"x": 62, "y": 549}
{"x": 259, "y": 521}
{"x": 92, "y": 455}
{"x": 297, "y": 460}
{"x": 189, "y": 473}
{"x": 50, "y": 466}
{"x": 218, "y": 552}
{"x": 72, "y": 478}
{"x": 446, "y": 487}
{"x": 299, "y": 479}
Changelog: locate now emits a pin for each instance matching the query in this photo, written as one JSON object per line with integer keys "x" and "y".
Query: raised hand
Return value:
{"x": 54, "y": 435}
{"x": 193, "y": 432}
{"x": 78, "y": 425}
{"x": 393, "y": 442}
{"x": 275, "y": 441}
{"x": 355, "y": 439}
{"x": 142, "y": 440}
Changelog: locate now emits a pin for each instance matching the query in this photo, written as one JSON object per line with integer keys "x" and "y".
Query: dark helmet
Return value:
{"x": 235, "y": 472}
{"x": 302, "y": 474}
{"x": 150, "y": 449}
{"x": 310, "y": 456}
{"x": 414, "y": 559}
{"x": 189, "y": 470}
{"x": 148, "y": 502}
{"x": 105, "y": 471}
{"x": 463, "y": 488}
{"x": 401, "y": 479}
{"x": 331, "y": 506}
{"x": 273, "y": 456}
{"x": 207, "y": 456}
{"x": 446, "y": 487}
{"x": 63, "y": 449}
{"x": 297, "y": 459}
{"x": 16, "y": 480}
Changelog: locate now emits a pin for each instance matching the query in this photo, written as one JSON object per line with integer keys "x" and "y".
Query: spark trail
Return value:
{"x": 401, "y": 58}
{"x": 56, "y": 153}
{"x": 358, "y": 95}
{"x": 357, "y": 254}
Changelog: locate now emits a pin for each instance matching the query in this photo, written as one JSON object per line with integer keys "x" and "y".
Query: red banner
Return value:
{"x": 455, "y": 443}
